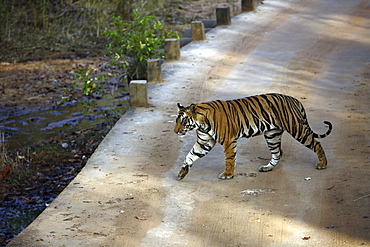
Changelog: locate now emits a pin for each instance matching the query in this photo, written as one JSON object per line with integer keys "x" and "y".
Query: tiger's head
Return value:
{"x": 185, "y": 120}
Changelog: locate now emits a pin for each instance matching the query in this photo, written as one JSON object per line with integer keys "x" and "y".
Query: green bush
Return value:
{"x": 90, "y": 84}
{"x": 133, "y": 43}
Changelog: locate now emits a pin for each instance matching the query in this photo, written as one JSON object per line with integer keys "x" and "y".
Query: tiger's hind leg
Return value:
{"x": 321, "y": 155}
{"x": 318, "y": 149}
{"x": 273, "y": 139}
{"x": 310, "y": 142}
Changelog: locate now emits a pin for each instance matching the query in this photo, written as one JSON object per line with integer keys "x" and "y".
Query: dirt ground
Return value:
{"x": 37, "y": 85}
{"x": 33, "y": 82}
{"x": 128, "y": 195}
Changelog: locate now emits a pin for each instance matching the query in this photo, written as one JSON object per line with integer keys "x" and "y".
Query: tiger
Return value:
{"x": 224, "y": 122}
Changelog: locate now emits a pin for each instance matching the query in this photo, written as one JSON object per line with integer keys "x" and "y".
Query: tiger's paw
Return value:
{"x": 182, "y": 173}
{"x": 226, "y": 175}
{"x": 320, "y": 166}
{"x": 265, "y": 168}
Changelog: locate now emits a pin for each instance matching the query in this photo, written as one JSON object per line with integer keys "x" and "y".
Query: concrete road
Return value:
{"x": 127, "y": 195}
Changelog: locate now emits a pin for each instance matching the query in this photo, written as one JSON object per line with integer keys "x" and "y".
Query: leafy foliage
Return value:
{"x": 90, "y": 84}
{"x": 132, "y": 43}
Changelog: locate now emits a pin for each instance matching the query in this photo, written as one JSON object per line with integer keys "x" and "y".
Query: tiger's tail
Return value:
{"x": 327, "y": 132}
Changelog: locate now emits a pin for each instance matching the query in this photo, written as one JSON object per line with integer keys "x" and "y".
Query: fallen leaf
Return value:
{"x": 140, "y": 217}
{"x": 332, "y": 187}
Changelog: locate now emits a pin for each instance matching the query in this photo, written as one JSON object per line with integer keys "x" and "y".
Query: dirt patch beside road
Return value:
{"x": 38, "y": 85}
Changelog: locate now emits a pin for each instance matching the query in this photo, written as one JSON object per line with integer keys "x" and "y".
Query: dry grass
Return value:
{"x": 49, "y": 28}
{"x": 42, "y": 26}
{"x": 12, "y": 163}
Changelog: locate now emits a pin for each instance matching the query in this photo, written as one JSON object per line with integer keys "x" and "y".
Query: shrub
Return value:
{"x": 133, "y": 43}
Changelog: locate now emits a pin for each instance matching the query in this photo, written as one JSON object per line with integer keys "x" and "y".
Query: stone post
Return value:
{"x": 197, "y": 31}
{"x": 248, "y": 5}
{"x": 223, "y": 15}
{"x": 154, "y": 70}
{"x": 172, "y": 49}
{"x": 138, "y": 93}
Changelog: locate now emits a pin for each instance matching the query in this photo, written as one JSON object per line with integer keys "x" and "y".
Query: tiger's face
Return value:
{"x": 185, "y": 121}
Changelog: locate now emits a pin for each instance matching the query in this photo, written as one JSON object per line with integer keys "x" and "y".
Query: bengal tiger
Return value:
{"x": 225, "y": 122}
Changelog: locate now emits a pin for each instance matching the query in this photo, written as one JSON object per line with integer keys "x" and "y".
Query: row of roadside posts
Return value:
{"x": 138, "y": 88}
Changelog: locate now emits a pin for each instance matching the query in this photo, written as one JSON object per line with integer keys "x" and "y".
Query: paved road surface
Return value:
{"x": 315, "y": 50}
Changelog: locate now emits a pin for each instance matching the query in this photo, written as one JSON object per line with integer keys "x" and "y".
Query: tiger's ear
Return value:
{"x": 192, "y": 109}
{"x": 180, "y": 106}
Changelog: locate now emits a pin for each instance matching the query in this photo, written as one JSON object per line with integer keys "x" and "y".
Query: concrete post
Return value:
{"x": 138, "y": 93}
{"x": 172, "y": 49}
{"x": 223, "y": 15}
{"x": 248, "y": 5}
{"x": 197, "y": 31}
{"x": 154, "y": 70}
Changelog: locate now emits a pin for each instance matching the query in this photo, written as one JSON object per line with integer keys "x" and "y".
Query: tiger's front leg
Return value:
{"x": 201, "y": 148}
{"x": 230, "y": 155}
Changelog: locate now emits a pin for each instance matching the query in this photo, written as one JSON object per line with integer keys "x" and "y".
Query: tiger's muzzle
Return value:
{"x": 180, "y": 130}
{"x": 182, "y": 133}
